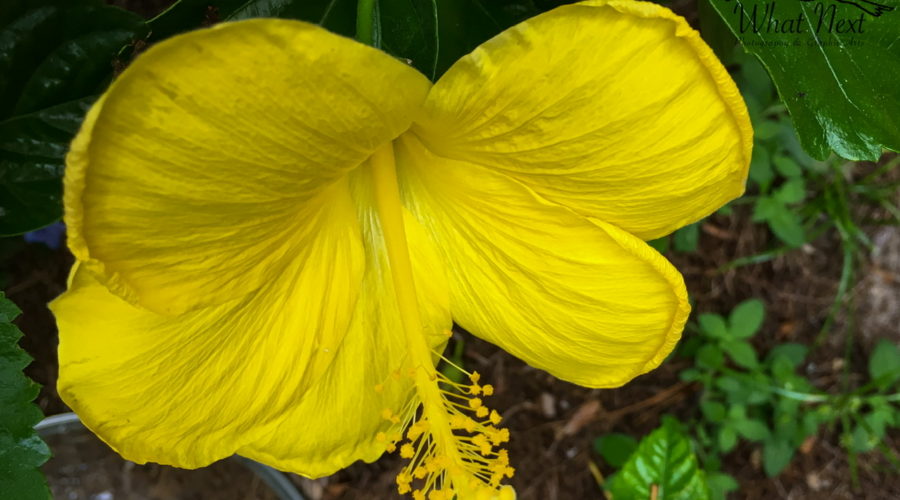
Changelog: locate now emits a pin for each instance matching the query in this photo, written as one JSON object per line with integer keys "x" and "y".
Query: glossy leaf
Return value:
{"x": 836, "y": 68}
{"x": 663, "y": 459}
{"x": 21, "y": 450}
{"x": 54, "y": 58}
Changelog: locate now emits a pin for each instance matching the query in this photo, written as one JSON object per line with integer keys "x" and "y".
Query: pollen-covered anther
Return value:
{"x": 452, "y": 444}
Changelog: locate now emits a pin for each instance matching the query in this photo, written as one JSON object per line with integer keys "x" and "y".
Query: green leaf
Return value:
{"x": 787, "y": 166}
{"x": 54, "y": 58}
{"x": 720, "y": 484}
{"x": 713, "y": 326}
{"x": 761, "y": 167}
{"x": 713, "y": 411}
{"x": 615, "y": 448}
{"x": 21, "y": 451}
{"x": 792, "y": 191}
{"x": 884, "y": 364}
{"x": 745, "y": 320}
{"x": 661, "y": 245}
{"x": 686, "y": 238}
{"x": 795, "y": 353}
{"x": 742, "y": 353}
{"x": 664, "y": 459}
{"x": 765, "y": 208}
{"x": 754, "y": 430}
{"x": 338, "y": 16}
{"x": 838, "y": 80}
{"x": 766, "y": 130}
{"x": 710, "y": 356}
{"x": 726, "y": 439}
{"x": 463, "y": 25}
{"x": 777, "y": 454}
{"x": 787, "y": 226}
{"x": 410, "y": 30}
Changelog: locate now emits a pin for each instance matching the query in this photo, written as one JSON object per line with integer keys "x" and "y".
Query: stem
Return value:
{"x": 366, "y": 12}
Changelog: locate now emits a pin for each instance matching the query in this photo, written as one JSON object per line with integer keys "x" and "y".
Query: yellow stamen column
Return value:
{"x": 458, "y": 471}
{"x": 390, "y": 214}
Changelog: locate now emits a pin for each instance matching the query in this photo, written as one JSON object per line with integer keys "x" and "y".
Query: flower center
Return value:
{"x": 452, "y": 440}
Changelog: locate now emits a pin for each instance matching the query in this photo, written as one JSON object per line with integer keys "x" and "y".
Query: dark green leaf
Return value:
{"x": 661, "y": 245}
{"x": 686, "y": 238}
{"x": 21, "y": 451}
{"x": 409, "y": 30}
{"x": 746, "y": 318}
{"x": 665, "y": 459}
{"x": 884, "y": 365}
{"x": 32, "y": 160}
{"x": 615, "y": 448}
{"x": 54, "y": 57}
{"x": 777, "y": 454}
{"x": 837, "y": 79}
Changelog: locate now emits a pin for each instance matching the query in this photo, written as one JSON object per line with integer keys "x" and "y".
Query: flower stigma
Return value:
{"x": 451, "y": 439}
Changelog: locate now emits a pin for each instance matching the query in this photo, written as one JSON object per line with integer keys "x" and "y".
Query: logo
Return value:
{"x": 815, "y": 17}
{"x": 873, "y": 9}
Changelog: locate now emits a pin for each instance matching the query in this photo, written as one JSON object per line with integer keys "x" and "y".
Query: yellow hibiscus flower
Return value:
{"x": 276, "y": 227}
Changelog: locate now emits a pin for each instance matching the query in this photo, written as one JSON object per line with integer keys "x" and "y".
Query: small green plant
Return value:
{"x": 766, "y": 401}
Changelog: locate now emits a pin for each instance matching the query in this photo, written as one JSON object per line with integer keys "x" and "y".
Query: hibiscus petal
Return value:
{"x": 182, "y": 389}
{"x": 336, "y": 422}
{"x": 191, "y": 389}
{"x": 615, "y": 109}
{"x": 581, "y": 299}
{"x": 197, "y": 176}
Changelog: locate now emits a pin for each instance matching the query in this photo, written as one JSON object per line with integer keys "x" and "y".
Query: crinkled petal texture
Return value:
{"x": 336, "y": 422}
{"x": 198, "y": 176}
{"x": 615, "y": 109}
{"x": 232, "y": 290}
{"x": 191, "y": 389}
{"x": 581, "y": 299}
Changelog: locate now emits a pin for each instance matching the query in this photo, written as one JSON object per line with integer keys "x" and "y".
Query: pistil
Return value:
{"x": 451, "y": 440}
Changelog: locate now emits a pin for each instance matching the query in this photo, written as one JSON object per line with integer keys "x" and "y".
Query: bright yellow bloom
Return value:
{"x": 276, "y": 226}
